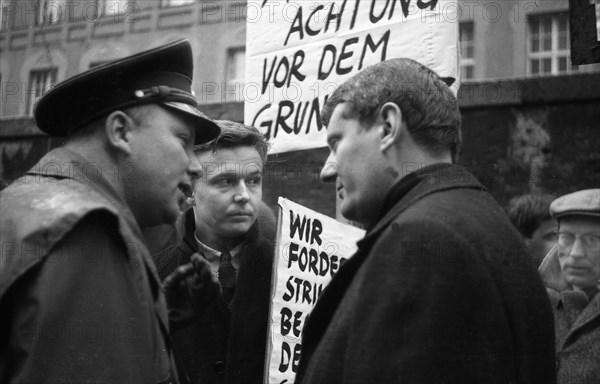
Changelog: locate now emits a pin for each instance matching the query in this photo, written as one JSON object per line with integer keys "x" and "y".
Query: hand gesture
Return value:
{"x": 189, "y": 290}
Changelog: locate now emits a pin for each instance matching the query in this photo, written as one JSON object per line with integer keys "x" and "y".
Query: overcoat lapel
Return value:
{"x": 588, "y": 315}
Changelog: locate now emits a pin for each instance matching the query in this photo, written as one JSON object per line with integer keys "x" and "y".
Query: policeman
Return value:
{"x": 79, "y": 294}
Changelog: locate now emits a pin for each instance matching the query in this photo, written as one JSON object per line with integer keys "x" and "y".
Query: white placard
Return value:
{"x": 298, "y": 52}
{"x": 311, "y": 247}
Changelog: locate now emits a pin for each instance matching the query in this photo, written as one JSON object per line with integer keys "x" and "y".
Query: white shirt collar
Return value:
{"x": 214, "y": 257}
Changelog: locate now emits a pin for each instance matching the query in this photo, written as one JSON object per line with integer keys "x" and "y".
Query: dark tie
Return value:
{"x": 227, "y": 274}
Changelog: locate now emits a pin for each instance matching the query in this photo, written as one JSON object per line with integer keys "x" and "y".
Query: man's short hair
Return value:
{"x": 140, "y": 114}
{"x": 527, "y": 212}
{"x": 234, "y": 135}
{"x": 428, "y": 106}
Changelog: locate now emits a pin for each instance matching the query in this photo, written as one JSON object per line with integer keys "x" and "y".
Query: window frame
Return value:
{"x": 555, "y": 54}
{"x": 231, "y": 64}
{"x": 4, "y": 15}
{"x": 32, "y": 95}
{"x": 466, "y": 61}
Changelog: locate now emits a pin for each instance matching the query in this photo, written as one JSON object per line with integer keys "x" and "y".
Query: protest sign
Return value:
{"x": 298, "y": 52}
{"x": 311, "y": 247}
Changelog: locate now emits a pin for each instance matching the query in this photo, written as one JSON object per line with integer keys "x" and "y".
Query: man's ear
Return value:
{"x": 390, "y": 118}
{"x": 118, "y": 127}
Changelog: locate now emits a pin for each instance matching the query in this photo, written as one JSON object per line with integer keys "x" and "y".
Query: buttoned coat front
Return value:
{"x": 439, "y": 291}
{"x": 220, "y": 346}
{"x": 79, "y": 294}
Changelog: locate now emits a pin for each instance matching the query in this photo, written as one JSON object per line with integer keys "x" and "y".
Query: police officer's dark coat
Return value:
{"x": 222, "y": 346}
{"x": 439, "y": 291}
{"x": 79, "y": 294}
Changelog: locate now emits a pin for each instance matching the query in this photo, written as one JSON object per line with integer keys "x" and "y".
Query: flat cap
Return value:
{"x": 161, "y": 75}
{"x": 580, "y": 203}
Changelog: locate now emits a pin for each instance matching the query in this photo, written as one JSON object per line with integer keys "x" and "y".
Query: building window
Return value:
{"x": 175, "y": 3}
{"x": 549, "y": 45}
{"x": 598, "y": 19}
{"x": 3, "y": 15}
{"x": 51, "y": 12}
{"x": 40, "y": 82}
{"x": 467, "y": 51}
{"x": 236, "y": 66}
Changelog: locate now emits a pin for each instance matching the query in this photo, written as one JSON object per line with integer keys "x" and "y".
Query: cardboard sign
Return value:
{"x": 298, "y": 52}
{"x": 311, "y": 248}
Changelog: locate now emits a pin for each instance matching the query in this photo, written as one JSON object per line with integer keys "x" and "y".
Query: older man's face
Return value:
{"x": 157, "y": 175}
{"x": 579, "y": 250}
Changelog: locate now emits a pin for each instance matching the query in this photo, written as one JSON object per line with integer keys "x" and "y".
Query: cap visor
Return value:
{"x": 206, "y": 129}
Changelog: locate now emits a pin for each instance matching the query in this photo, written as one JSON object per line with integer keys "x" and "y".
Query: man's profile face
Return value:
{"x": 355, "y": 160}
{"x": 161, "y": 157}
{"x": 579, "y": 250}
{"x": 228, "y": 194}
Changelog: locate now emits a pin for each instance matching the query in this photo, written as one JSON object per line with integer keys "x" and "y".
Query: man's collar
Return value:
{"x": 405, "y": 185}
{"x": 205, "y": 248}
{"x": 416, "y": 185}
{"x": 63, "y": 163}
{"x": 214, "y": 257}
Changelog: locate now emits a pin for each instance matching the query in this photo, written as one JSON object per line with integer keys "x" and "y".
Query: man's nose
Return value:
{"x": 241, "y": 193}
{"x": 194, "y": 169}
{"x": 577, "y": 249}
{"x": 329, "y": 170}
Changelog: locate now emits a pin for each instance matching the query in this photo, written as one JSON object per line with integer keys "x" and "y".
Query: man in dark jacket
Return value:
{"x": 440, "y": 289}
{"x": 234, "y": 230}
{"x": 80, "y": 298}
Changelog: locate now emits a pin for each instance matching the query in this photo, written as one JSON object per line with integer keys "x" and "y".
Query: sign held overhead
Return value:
{"x": 298, "y": 52}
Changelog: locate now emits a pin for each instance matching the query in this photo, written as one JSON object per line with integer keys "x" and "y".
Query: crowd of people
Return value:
{"x": 157, "y": 268}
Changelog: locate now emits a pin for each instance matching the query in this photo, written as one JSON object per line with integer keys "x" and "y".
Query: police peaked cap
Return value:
{"x": 161, "y": 75}
{"x": 580, "y": 203}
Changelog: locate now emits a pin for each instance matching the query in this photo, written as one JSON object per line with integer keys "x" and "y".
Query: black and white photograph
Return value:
{"x": 300, "y": 191}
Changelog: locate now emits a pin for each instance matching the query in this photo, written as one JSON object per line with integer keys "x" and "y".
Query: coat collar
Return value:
{"x": 590, "y": 313}
{"x": 415, "y": 186}
{"x": 62, "y": 163}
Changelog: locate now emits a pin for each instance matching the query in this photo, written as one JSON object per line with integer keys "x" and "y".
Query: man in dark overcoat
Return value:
{"x": 80, "y": 297}
{"x": 234, "y": 230}
{"x": 441, "y": 289}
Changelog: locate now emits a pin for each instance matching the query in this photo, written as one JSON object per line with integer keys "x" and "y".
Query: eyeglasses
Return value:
{"x": 590, "y": 242}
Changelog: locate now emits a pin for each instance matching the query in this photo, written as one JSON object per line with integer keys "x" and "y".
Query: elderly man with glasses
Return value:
{"x": 571, "y": 271}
